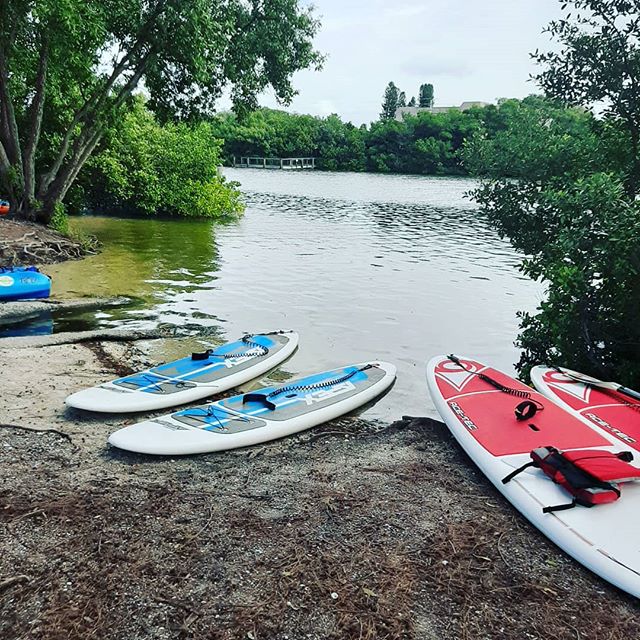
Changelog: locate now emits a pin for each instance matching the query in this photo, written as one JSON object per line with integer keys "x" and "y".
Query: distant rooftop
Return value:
{"x": 414, "y": 111}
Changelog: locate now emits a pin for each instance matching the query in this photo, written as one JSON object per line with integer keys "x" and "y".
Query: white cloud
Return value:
{"x": 428, "y": 67}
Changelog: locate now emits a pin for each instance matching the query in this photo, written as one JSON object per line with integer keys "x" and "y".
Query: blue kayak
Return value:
{"x": 23, "y": 283}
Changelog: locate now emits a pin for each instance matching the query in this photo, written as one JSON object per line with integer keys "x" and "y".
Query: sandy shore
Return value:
{"x": 355, "y": 529}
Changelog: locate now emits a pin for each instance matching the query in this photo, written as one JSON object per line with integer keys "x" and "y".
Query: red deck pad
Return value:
{"x": 488, "y": 414}
{"x": 607, "y": 409}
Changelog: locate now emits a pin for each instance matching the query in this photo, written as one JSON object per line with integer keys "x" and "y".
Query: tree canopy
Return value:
{"x": 570, "y": 202}
{"x": 599, "y": 62}
{"x": 149, "y": 168}
{"x": 390, "y": 102}
{"x": 69, "y": 67}
{"x": 425, "y": 96}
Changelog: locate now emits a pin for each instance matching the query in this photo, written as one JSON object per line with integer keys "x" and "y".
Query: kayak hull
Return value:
{"x": 23, "y": 283}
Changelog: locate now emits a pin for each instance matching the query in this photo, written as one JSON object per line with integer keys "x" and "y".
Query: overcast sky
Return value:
{"x": 468, "y": 49}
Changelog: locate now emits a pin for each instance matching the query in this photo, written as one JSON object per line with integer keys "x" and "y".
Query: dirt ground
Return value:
{"x": 25, "y": 243}
{"x": 353, "y": 530}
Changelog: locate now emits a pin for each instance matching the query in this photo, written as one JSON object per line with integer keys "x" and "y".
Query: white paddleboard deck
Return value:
{"x": 264, "y": 415}
{"x": 188, "y": 380}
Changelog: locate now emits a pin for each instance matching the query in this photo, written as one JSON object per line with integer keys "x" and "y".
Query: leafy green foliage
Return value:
{"x": 535, "y": 139}
{"x": 68, "y": 69}
{"x": 555, "y": 186}
{"x": 60, "y": 220}
{"x": 340, "y": 146}
{"x": 148, "y": 168}
{"x": 599, "y": 62}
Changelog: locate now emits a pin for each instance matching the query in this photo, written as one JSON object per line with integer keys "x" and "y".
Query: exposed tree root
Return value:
{"x": 27, "y": 243}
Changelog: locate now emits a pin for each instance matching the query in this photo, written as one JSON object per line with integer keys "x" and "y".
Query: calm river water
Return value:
{"x": 363, "y": 266}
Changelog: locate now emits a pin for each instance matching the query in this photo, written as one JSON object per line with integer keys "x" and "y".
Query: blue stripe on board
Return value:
{"x": 219, "y": 417}
{"x": 189, "y": 366}
{"x": 325, "y": 376}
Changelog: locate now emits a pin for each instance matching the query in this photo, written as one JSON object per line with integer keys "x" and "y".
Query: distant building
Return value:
{"x": 414, "y": 111}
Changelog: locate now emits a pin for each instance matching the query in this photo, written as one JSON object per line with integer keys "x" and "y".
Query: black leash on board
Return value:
{"x": 265, "y": 399}
{"x": 525, "y": 410}
{"x": 255, "y": 349}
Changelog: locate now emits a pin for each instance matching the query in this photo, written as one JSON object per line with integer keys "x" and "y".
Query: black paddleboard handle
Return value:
{"x": 259, "y": 397}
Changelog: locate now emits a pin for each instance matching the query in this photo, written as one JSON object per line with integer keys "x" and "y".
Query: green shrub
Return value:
{"x": 151, "y": 169}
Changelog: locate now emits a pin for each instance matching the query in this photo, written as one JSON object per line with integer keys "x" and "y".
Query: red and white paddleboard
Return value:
{"x": 604, "y": 538}
{"x": 613, "y": 412}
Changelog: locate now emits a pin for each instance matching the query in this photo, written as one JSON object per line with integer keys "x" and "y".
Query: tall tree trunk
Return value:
{"x": 97, "y": 99}
{"x": 36, "y": 110}
{"x": 5, "y": 168}
{"x": 83, "y": 147}
{"x": 10, "y": 125}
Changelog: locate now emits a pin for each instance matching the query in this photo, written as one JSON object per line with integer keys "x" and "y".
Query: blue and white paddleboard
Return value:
{"x": 259, "y": 416}
{"x": 192, "y": 378}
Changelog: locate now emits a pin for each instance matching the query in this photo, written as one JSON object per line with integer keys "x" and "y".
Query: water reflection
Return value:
{"x": 148, "y": 259}
{"x": 40, "y": 325}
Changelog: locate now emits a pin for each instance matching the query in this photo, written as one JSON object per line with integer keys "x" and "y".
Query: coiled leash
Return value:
{"x": 265, "y": 399}
{"x": 494, "y": 383}
{"x": 259, "y": 351}
{"x": 523, "y": 411}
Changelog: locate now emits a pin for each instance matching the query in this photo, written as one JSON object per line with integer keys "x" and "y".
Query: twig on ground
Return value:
{"x": 66, "y": 436}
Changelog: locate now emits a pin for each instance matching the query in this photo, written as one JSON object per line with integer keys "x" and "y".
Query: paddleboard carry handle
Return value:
{"x": 259, "y": 397}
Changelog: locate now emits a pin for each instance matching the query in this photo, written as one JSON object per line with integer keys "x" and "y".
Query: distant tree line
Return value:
{"x": 427, "y": 143}
{"x": 394, "y": 99}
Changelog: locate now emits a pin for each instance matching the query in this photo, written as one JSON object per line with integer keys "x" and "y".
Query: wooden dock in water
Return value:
{"x": 252, "y": 162}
